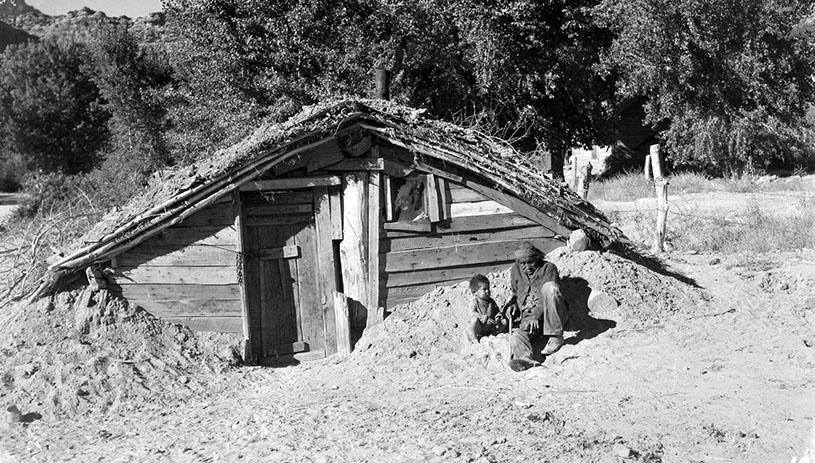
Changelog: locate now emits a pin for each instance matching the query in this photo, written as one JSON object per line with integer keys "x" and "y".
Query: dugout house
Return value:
{"x": 309, "y": 230}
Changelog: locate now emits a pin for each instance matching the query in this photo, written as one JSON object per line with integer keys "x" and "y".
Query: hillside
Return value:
{"x": 10, "y": 35}
{"x": 30, "y": 20}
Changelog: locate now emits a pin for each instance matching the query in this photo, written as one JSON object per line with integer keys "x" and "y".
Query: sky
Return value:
{"x": 132, "y": 8}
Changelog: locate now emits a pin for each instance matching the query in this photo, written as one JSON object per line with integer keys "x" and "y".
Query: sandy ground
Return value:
{"x": 5, "y": 211}
{"x": 710, "y": 359}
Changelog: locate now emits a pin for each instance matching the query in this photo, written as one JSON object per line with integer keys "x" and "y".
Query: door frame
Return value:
{"x": 326, "y": 263}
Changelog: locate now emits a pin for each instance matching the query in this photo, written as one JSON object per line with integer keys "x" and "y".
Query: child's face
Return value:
{"x": 483, "y": 292}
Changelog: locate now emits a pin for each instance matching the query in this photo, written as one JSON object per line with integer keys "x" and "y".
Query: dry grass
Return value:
{"x": 750, "y": 228}
{"x": 27, "y": 242}
{"x": 634, "y": 186}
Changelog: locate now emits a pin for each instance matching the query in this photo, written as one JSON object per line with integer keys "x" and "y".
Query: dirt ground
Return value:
{"x": 708, "y": 359}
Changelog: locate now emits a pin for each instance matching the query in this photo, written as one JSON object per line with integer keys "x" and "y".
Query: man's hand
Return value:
{"x": 532, "y": 327}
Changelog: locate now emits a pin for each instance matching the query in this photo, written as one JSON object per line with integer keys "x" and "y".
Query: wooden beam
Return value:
{"x": 444, "y": 200}
{"x": 436, "y": 171}
{"x": 396, "y": 169}
{"x": 335, "y": 205}
{"x": 326, "y": 267}
{"x": 354, "y": 244}
{"x": 519, "y": 206}
{"x": 388, "y": 198}
{"x": 377, "y": 164}
{"x": 375, "y": 313}
{"x": 290, "y": 183}
{"x": 432, "y": 198}
{"x": 343, "y": 325}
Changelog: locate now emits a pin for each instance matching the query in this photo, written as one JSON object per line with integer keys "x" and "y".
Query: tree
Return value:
{"x": 727, "y": 82}
{"x": 522, "y": 69}
{"x": 537, "y": 62}
{"x": 50, "y": 109}
{"x": 132, "y": 80}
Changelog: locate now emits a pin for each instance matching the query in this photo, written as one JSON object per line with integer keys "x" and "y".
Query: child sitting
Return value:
{"x": 485, "y": 317}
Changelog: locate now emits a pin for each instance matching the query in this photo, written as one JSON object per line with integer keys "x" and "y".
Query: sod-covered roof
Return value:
{"x": 175, "y": 194}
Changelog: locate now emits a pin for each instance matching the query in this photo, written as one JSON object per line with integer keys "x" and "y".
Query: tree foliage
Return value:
{"x": 520, "y": 68}
{"x": 727, "y": 82}
{"x": 133, "y": 80}
{"x": 51, "y": 111}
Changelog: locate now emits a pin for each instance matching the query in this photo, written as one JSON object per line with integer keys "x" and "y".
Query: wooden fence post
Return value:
{"x": 648, "y": 166}
{"x": 575, "y": 185}
{"x": 585, "y": 180}
{"x": 661, "y": 187}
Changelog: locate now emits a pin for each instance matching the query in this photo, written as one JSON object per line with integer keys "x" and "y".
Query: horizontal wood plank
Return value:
{"x": 421, "y": 226}
{"x": 402, "y": 292}
{"x": 214, "y": 324}
{"x": 478, "y": 208}
{"x": 519, "y": 206}
{"x": 459, "y": 255}
{"x": 203, "y": 235}
{"x": 475, "y": 223}
{"x": 276, "y": 210}
{"x": 221, "y": 275}
{"x": 291, "y": 183}
{"x": 466, "y": 195}
{"x": 278, "y": 220}
{"x": 357, "y": 164}
{"x": 175, "y": 292}
{"x": 211, "y": 216}
{"x": 436, "y": 276}
{"x": 251, "y": 200}
{"x": 450, "y": 239}
{"x": 191, "y": 307}
{"x": 177, "y": 256}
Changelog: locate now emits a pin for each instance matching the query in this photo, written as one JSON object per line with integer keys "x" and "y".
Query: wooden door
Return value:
{"x": 284, "y": 296}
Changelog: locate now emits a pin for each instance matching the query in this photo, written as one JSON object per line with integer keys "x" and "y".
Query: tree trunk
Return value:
{"x": 558, "y": 155}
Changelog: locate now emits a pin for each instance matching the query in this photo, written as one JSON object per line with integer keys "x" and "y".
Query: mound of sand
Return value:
{"x": 434, "y": 325}
{"x": 61, "y": 360}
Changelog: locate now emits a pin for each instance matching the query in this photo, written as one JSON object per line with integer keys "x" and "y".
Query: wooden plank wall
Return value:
{"x": 480, "y": 236}
{"x": 187, "y": 274}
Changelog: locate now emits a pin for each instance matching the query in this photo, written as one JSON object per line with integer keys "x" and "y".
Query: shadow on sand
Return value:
{"x": 576, "y": 291}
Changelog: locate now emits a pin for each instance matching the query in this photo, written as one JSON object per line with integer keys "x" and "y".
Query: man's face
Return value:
{"x": 529, "y": 265}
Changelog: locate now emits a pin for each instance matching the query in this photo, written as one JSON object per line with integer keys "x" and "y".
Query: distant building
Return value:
{"x": 628, "y": 152}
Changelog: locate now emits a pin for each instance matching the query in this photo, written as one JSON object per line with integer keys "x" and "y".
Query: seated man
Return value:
{"x": 535, "y": 285}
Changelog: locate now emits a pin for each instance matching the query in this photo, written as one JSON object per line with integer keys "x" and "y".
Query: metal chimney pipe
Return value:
{"x": 383, "y": 82}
